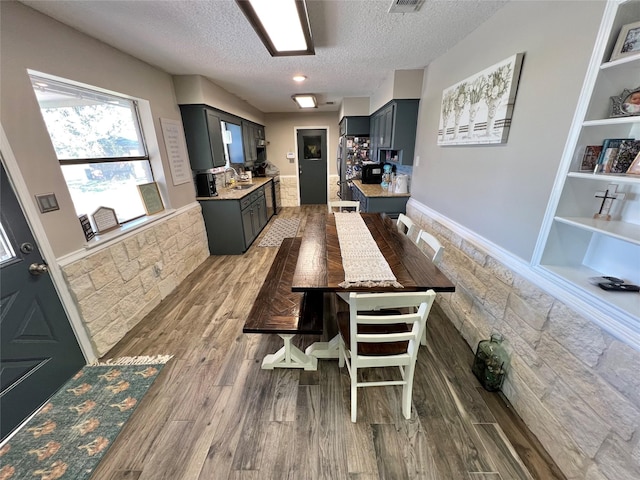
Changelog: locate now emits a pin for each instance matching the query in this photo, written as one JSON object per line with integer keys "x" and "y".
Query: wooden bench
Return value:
{"x": 279, "y": 310}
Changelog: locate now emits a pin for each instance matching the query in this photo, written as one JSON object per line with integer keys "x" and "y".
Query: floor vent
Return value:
{"x": 405, "y": 6}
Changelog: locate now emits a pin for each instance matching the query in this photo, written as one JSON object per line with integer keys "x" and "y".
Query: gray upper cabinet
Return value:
{"x": 393, "y": 127}
{"x": 355, "y": 126}
{"x": 203, "y": 135}
{"x": 251, "y": 134}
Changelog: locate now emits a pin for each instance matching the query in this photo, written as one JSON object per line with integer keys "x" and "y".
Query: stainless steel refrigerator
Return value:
{"x": 352, "y": 151}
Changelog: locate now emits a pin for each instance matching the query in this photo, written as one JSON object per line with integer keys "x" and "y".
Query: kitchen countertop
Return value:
{"x": 375, "y": 190}
{"x": 236, "y": 194}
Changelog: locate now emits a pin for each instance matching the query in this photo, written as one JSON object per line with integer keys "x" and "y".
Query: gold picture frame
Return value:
{"x": 151, "y": 199}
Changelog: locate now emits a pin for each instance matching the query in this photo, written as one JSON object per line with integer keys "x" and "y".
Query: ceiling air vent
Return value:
{"x": 405, "y": 6}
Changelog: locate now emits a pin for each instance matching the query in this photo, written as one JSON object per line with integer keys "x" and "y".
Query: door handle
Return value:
{"x": 38, "y": 268}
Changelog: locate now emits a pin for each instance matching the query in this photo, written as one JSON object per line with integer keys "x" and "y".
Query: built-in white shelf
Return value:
{"x": 612, "y": 121}
{"x": 627, "y": 232}
{"x": 628, "y": 303}
{"x": 632, "y": 61}
{"x": 607, "y": 177}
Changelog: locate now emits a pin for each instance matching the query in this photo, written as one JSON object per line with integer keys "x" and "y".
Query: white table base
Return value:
{"x": 289, "y": 356}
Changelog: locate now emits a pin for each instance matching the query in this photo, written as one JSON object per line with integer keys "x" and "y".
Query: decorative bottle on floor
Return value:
{"x": 490, "y": 363}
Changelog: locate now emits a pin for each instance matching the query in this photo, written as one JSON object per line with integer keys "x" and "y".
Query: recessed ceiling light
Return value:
{"x": 282, "y": 26}
{"x": 305, "y": 100}
{"x": 299, "y": 78}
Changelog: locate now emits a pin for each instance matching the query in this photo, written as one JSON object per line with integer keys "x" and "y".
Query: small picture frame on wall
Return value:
{"x": 151, "y": 198}
{"x": 626, "y": 104}
{"x": 628, "y": 42}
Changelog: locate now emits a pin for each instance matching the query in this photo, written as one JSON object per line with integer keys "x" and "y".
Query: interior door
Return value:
{"x": 38, "y": 349}
{"x": 312, "y": 166}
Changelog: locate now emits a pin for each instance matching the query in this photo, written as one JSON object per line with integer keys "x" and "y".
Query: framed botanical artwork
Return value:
{"x": 626, "y": 104}
{"x": 478, "y": 109}
{"x": 151, "y": 198}
{"x": 634, "y": 168}
{"x": 628, "y": 42}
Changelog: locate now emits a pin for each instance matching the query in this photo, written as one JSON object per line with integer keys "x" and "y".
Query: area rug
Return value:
{"x": 71, "y": 433}
{"x": 280, "y": 229}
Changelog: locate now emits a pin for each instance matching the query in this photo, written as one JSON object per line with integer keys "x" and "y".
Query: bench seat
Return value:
{"x": 280, "y": 311}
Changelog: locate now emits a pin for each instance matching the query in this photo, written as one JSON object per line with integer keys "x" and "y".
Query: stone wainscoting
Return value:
{"x": 289, "y": 189}
{"x": 575, "y": 386}
{"x": 116, "y": 286}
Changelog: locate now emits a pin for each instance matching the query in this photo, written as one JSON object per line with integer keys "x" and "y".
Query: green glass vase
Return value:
{"x": 490, "y": 363}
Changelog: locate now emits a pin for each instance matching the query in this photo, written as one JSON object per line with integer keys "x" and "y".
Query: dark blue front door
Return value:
{"x": 38, "y": 349}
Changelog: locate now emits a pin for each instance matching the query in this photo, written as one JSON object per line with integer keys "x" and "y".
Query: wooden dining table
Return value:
{"x": 319, "y": 265}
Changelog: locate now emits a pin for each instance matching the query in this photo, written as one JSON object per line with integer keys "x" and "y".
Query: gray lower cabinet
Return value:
{"x": 392, "y": 206}
{"x": 233, "y": 225}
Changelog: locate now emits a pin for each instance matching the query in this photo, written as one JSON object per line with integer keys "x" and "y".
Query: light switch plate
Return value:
{"x": 47, "y": 202}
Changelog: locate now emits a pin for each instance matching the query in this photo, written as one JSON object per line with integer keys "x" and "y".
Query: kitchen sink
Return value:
{"x": 243, "y": 187}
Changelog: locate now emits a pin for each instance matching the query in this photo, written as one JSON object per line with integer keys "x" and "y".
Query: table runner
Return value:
{"x": 363, "y": 263}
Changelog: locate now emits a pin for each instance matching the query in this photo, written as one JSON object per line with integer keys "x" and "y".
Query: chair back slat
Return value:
{"x": 405, "y": 224}
{"x": 384, "y": 304}
{"x": 346, "y": 204}
{"x": 425, "y": 238}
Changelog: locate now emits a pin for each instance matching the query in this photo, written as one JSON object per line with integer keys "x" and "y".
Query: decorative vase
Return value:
{"x": 473, "y": 110}
{"x": 490, "y": 363}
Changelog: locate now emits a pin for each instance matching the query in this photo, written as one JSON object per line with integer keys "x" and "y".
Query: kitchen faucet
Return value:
{"x": 235, "y": 174}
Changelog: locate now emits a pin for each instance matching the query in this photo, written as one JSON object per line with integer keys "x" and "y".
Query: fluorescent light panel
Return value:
{"x": 282, "y": 25}
{"x": 305, "y": 101}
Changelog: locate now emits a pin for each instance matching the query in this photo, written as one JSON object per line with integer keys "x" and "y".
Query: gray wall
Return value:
{"x": 30, "y": 40}
{"x": 501, "y": 192}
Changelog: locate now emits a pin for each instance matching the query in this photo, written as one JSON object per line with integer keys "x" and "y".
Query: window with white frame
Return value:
{"x": 100, "y": 146}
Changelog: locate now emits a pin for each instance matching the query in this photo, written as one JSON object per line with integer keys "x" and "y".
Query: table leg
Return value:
{"x": 289, "y": 356}
{"x": 324, "y": 349}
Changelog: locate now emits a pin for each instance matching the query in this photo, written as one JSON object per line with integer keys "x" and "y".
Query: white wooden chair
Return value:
{"x": 340, "y": 204}
{"x": 425, "y": 238}
{"x": 404, "y": 224}
{"x": 375, "y": 334}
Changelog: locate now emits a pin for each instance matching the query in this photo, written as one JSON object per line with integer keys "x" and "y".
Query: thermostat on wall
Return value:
{"x": 291, "y": 155}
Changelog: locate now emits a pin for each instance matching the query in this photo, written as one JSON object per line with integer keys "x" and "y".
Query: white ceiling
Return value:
{"x": 357, "y": 43}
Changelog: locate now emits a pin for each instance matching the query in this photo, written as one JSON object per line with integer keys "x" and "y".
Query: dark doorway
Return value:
{"x": 312, "y": 166}
{"x": 38, "y": 348}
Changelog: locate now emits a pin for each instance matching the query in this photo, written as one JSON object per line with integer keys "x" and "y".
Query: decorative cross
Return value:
{"x": 608, "y": 196}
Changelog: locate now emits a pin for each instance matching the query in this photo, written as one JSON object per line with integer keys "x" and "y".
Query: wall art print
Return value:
{"x": 478, "y": 110}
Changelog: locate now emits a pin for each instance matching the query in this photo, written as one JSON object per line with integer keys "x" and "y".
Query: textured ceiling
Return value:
{"x": 357, "y": 43}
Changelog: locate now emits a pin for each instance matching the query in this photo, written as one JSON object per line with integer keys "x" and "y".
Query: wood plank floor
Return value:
{"x": 213, "y": 413}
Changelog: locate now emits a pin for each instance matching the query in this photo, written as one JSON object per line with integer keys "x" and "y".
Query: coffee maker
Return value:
{"x": 206, "y": 185}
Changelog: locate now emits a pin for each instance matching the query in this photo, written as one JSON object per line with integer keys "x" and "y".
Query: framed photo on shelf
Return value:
{"x": 634, "y": 168}
{"x": 626, "y": 104}
{"x": 151, "y": 198}
{"x": 628, "y": 42}
{"x": 590, "y": 158}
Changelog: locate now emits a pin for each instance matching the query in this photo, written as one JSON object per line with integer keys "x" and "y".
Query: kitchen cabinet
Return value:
{"x": 355, "y": 126}
{"x": 389, "y": 204}
{"x": 573, "y": 245}
{"x": 203, "y": 135}
{"x": 254, "y": 215}
{"x": 232, "y": 225}
{"x": 252, "y": 133}
{"x": 393, "y": 127}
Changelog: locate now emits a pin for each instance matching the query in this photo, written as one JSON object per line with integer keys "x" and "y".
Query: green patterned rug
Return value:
{"x": 71, "y": 433}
